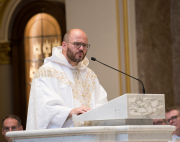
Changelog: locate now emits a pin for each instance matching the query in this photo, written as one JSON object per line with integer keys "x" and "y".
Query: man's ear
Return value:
{"x": 64, "y": 45}
{"x": 21, "y": 128}
{"x": 3, "y": 132}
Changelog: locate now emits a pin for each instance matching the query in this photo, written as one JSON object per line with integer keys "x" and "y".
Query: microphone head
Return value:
{"x": 92, "y": 58}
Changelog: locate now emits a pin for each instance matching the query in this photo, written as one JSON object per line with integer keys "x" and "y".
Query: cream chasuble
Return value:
{"x": 82, "y": 91}
{"x": 57, "y": 88}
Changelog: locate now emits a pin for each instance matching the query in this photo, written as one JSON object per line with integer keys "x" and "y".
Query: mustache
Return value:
{"x": 79, "y": 52}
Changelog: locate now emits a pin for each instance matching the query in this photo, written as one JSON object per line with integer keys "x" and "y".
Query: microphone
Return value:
{"x": 94, "y": 59}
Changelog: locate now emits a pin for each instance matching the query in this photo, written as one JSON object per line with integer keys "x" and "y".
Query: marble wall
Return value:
{"x": 158, "y": 38}
{"x": 175, "y": 33}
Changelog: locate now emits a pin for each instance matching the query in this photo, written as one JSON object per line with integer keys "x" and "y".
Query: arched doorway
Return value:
{"x": 16, "y": 36}
{"x": 42, "y": 33}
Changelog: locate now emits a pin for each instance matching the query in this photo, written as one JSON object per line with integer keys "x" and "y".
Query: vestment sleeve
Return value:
{"x": 47, "y": 103}
{"x": 100, "y": 94}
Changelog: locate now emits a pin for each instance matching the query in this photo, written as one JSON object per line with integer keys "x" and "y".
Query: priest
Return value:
{"x": 64, "y": 86}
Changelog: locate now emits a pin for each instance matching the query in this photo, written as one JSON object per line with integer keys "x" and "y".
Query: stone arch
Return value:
{"x": 21, "y": 15}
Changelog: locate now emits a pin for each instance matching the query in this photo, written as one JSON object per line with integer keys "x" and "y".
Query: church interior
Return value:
{"x": 138, "y": 37}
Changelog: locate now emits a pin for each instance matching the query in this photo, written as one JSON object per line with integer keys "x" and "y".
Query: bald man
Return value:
{"x": 64, "y": 86}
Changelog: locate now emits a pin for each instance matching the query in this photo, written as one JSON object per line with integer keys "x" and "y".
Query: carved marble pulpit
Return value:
{"x": 128, "y": 118}
{"x": 128, "y": 109}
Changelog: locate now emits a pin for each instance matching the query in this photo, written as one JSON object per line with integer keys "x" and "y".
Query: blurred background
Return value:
{"x": 138, "y": 37}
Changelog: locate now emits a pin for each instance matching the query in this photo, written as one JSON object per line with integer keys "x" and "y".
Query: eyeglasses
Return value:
{"x": 173, "y": 118}
{"x": 13, "y": 128}
{"x": 159, "y": 122}
{"x": 78, "y": 45}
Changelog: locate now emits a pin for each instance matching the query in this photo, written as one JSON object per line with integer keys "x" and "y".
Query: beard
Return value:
{"x": 72, "y": 56}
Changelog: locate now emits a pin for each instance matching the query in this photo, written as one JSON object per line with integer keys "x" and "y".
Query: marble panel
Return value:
{"x": 175, "y": 33}
{"x": 154, "y": 47}
{"x": 149, "y": 133}
{"x": 118, "y": 122}
{"x": 134, "y": 106}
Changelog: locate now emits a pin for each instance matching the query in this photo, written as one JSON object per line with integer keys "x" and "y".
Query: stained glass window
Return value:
{"x": 42, "y": 33}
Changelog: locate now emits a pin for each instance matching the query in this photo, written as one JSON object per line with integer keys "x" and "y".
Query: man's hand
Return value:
{"x": 79, "y": 110}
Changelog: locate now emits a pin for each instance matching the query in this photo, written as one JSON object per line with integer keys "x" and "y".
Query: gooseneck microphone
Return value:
{"x": 94, "y": 59}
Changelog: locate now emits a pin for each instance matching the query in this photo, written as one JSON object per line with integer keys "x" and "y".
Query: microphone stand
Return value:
{"x": 94, "y": 59}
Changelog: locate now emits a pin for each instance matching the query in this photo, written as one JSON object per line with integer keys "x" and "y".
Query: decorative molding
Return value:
{"x": 119, "y": 47}
{"x": 3, "y": 5}
{"x": 132, "y": 45}
{"x": 128, "y": 54}
{"x": 5, "y": 53}
{"x": 126, "y": 43}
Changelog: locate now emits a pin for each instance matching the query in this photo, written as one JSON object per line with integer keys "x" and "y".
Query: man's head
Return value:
{"x": 11, "y": 123}
{"x": 159, "y": 122}
{"x": 75, "y": 46}
{"x": 173, "y": 118}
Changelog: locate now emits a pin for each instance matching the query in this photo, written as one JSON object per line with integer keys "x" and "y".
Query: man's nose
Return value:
{"x": 171, "y": 121}
{"x": 81, "y": 47}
